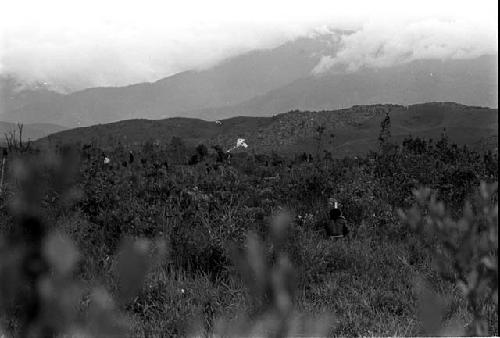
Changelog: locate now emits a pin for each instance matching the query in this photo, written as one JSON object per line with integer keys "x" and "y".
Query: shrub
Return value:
{"x": 469, "y": 246}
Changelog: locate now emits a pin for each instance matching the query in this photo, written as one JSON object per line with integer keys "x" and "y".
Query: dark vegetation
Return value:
{"x": 192, "y": 241}
{"x": 355, "y": 130}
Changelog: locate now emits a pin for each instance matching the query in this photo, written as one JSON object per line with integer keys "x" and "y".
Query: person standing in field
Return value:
{"x": 336, "y": 226}
{"x": 106, "y": 161}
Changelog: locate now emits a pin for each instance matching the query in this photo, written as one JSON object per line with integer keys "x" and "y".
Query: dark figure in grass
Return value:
{"x": 336, "y": 226}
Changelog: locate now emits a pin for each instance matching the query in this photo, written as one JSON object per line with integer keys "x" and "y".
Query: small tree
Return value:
{"x": 179, "y": 148}
{"x": 221, "y": 155}
{"x": 201, "y": 151}
{"x": 320, "y": 130}
{"x": 14, "y": 139}
{"x": 385, "y": 132}
{"x": 2, "y": 169}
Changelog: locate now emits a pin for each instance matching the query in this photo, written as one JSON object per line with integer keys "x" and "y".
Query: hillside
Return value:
{"x": 259, "y": 83}
{"x": 355, "y": 129}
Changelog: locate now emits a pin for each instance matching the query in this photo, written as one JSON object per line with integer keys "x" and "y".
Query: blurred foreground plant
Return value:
{"x": 270, "y": 279}
{"x": 39, "y": 294}
{"x": 465, "y": 250}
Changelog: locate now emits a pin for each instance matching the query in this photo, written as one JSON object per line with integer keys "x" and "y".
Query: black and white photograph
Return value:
{"x": 230, "y": 168}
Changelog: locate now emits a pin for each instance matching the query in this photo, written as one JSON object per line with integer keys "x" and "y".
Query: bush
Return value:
{"x": 469, "y": 246}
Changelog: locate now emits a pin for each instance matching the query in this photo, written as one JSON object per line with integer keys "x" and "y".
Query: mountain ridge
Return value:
{"x": 433, "y": 81}
{"x": 347, "y": 132}
{"x": 230, "y": 82}
{"x": 261, "y": 83}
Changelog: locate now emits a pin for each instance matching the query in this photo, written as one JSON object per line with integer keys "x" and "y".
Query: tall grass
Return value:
{"x": 239, "y": 250}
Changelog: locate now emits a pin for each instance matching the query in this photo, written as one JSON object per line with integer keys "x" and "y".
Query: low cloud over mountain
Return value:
{"x": 75, "y": 46}
{"x": 391, "y": 43}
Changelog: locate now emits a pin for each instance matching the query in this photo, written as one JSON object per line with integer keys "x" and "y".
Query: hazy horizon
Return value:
{"x": 69, "y": 47}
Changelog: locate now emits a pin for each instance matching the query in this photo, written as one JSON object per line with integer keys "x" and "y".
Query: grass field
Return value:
{"x": 191, "y": 267}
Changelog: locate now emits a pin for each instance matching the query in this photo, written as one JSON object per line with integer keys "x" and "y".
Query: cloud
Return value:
{"x": 85, "y": 43}
{"x": 113, "y": 57}
{"x": 382, "y": 44}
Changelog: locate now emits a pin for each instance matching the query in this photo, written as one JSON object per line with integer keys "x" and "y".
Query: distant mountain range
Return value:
{"x": 472, "y": 82}
{"x": 233, "y": 81}
{"x": 259, "y": 83}
{"x": 349, "y": 131}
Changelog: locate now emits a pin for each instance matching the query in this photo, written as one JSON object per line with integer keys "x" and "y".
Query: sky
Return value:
{"x": 71, "y": 45}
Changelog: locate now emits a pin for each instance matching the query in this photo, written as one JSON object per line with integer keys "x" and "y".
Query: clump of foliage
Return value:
{"x": 40, "y": 294}
{"x": 465, "y": 250}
